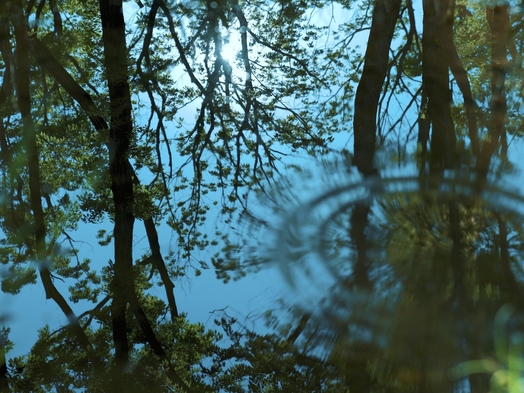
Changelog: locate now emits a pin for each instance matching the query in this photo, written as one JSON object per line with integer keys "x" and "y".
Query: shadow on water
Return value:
{"x": 400, "y": 277}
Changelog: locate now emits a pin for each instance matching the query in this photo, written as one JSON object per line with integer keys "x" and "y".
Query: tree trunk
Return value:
{"x": 385, "y": 15}
{"x": 437, "y": 30}
{"x": 4, "y": 381}
{"x": 498, "y": 19}
{"x": 120, "y": 134}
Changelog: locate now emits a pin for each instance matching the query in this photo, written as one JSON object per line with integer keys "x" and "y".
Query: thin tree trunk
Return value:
{"x": 461, "y": 77}
{"x": 437, "y": 28}
{"x": 4, "y": 375}
{"x": 385, "y": 15}
{"x": 156, "y": 346}
{"x": 498, "y": 19}
{"x": 120, "y": 135}
{"x": 29, "y": 141}
{"x": 157, "y": 262}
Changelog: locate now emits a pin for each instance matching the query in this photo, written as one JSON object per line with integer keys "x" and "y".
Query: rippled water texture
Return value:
{"x": 403, "y": 273}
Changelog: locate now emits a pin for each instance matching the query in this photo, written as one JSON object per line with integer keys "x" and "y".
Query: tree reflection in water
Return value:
{"x": 401, "y": 277}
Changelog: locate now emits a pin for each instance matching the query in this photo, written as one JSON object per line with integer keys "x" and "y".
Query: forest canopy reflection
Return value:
{"x": 398, "y": 224}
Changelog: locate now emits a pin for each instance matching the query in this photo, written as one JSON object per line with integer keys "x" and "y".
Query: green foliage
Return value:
{"x": 16, "y": 278}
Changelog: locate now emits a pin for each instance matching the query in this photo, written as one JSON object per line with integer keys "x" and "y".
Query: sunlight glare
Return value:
{"x": 231, "y": 47}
